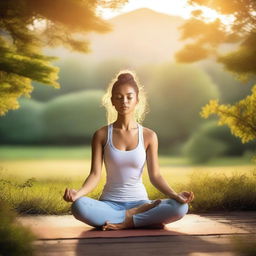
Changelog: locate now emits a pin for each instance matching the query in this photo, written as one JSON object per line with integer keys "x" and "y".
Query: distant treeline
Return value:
{"x": 176, "y": 93}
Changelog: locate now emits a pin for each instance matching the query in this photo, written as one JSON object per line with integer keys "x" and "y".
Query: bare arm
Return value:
{"x": 96, "y": 165}
{"x": 70, "y": 195}
{"x": 155, "y": 176}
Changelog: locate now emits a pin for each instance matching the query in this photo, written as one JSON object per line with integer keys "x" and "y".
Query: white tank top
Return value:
{"x": 124, "y": 170}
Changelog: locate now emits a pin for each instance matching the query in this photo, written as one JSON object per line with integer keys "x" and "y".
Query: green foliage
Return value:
{"x": 240, "y": 117}
{"x": 103, "y": 72}
{"x": 211, "y": 141}
{"x": 200, "y": 148}
{"x": 28, "y": 26}
{"x": 74, "y": 116}
{"x": 17, "y": 70}
{"x": 16, "y": 240}
{"x": 208, "y": 36}
{"x": 176, "y": 94}
{"x": 70, "y": 118}
{"x": 231, "y": 89}
{"x": 78, "y": 74}
{"x": 24, "y": 125}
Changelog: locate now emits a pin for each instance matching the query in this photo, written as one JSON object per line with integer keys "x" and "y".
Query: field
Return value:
{"x": 34, "y": 179}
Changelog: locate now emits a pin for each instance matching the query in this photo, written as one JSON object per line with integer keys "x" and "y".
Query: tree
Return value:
{"x": 26, "y": 26}
{"x": 177, "y": 91}
{"x": 207, "y": 39}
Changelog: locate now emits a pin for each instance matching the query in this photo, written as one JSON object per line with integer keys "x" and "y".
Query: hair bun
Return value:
{"x": 125, "y": 77}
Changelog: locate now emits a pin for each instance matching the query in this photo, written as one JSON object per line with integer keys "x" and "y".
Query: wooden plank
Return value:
{"x": 57, "y": 227}
{"x": 143, "y": 246}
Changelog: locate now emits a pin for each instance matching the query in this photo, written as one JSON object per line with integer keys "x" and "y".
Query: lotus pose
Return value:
{"x": 125, "y": 145}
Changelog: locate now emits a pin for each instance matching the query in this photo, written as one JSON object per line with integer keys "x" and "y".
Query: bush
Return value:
{"x": 201, "y": 148}
{"x": 16, "y": 240}
{"x": 23, "y": 125}
{"x": 211, "y": 140}
{"x": 74, "y": 117}
{"x": 176, "y": 94}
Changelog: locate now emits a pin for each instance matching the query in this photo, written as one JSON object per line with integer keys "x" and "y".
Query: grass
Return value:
{"x": 84, "y": 152}
{"x": 221, "y": 192}
{"x": 43, "y": 152}
{"x": 33, "y": 180}
{"x": 212, "y": 192}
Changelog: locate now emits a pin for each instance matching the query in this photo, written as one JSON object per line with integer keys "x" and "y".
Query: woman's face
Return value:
{"x": 124, "y": 96}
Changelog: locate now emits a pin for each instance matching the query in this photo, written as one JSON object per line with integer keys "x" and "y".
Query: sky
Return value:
{"x": 171, "y": 7}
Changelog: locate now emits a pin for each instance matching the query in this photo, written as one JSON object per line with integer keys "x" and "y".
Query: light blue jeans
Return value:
{"x": 96, "y": 212}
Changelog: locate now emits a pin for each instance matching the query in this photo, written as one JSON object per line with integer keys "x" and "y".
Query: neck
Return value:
{"x": 125, "y": 123}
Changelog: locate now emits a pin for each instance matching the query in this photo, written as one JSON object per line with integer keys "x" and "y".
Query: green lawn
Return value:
{"x": 84, "y": 152}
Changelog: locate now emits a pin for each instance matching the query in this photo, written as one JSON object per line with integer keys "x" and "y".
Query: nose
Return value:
{"x": 124, "y": 100}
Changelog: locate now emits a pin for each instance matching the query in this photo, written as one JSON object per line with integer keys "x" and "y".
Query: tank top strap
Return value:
{"x": 141, "y": 139}
{"x": 111, "y": 134}
{"x": 108, "y": 136}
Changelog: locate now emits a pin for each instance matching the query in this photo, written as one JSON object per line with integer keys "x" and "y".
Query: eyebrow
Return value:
{"x": 126, "y": 93}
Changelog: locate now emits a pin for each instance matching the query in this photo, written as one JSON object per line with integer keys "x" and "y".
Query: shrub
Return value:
{"x": 16, "y": 240}
{"x": 211, "y": 140}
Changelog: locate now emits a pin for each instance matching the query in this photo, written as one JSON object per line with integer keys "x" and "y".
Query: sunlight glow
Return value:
{"x": 171, "y": 7}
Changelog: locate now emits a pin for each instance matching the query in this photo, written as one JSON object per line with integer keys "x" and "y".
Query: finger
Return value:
{"x": 189, "y": 194}
{"x": 191, "y": 197}
{"x": 187, "y": 200}
{"x": 186, "y": 193}
{"x": 65, "y": 194}
{"x": 69, "y": 196}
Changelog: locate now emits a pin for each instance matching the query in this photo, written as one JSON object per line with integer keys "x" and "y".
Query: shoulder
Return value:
{"x": 100, "y": 134}
{"x": 150, "y": 136}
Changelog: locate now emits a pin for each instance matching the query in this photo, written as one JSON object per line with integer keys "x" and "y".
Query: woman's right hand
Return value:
{"x": 70, "y": 195}
{"x": 185, "y": 197}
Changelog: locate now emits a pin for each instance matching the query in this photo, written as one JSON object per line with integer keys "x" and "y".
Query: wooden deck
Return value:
{"x": 193, "y": 235}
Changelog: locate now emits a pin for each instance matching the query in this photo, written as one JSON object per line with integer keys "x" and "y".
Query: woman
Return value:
{"x": 125, "y": 145}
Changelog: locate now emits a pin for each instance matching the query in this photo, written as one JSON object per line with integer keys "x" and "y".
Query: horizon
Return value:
{"x": 178, "y": 8}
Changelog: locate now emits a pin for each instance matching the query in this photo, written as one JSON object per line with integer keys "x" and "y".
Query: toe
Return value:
{"x": 111, "y": 227}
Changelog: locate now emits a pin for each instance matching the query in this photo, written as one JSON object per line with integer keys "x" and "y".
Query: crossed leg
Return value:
{"x": 128, "y": 221}
{"x": 96, "y": 213}
{"x": 167, "y": 211}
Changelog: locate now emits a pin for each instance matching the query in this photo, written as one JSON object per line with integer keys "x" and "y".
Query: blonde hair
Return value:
{"x": 124, "y": 76}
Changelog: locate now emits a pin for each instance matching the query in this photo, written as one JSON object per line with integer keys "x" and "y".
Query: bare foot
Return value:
{"x": 128, "y": 222}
